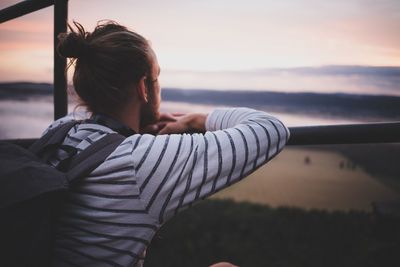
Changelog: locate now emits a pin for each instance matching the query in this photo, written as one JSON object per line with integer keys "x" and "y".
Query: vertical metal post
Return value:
{"x": 60, "y": 64}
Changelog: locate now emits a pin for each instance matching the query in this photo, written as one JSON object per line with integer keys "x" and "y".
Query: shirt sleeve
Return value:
{"x": 175, "y": 171}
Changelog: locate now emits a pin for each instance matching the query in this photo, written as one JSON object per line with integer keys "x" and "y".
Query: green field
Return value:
{"x": 319, "y": 184}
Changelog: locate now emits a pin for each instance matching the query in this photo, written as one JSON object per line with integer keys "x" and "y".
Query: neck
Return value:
{"x": 130, "y": 116}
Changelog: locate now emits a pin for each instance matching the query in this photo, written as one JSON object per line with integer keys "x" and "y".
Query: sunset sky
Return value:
{"x": 210, "y": 36}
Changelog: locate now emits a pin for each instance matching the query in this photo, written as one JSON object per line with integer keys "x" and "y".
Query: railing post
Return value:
{"x": 60, "y": 64}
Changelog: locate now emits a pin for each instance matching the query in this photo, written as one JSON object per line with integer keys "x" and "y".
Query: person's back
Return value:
{"x": 112, "y": 215}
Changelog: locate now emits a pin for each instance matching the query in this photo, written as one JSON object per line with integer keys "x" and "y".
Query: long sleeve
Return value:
{"x": 111, "y": 216}
{"x": 175, "y": 171}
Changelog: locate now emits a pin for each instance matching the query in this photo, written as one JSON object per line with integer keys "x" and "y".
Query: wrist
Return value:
{"x": 197, "y": 122}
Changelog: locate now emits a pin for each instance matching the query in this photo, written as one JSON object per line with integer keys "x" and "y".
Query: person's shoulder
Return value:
{"x": 70, "y": 117}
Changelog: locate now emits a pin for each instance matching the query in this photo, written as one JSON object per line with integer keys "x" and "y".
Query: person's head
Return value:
{"x": 113, "y": 65}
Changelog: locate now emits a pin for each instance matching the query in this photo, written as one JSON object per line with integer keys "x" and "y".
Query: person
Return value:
{"x": 112, "y": 214}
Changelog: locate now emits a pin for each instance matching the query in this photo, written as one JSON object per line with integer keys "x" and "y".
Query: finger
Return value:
{"x": 167, "y": 117}
{"x": 164, "y": 130}
{"x": 178, "y": 114}
{"x": 161, "y": 124}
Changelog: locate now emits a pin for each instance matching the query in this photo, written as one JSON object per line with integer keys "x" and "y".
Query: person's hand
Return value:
{"x": 189, "y": 123}
{"x": 164, "y": 119}
{"x": 223, "y": 264}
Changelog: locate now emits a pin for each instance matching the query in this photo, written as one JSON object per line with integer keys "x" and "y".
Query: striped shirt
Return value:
{"x": 112, "y": 215}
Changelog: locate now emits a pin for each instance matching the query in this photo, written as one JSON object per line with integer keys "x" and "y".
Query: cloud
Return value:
{"x": 325, "y": 79}
{"x": 346, "y": 70}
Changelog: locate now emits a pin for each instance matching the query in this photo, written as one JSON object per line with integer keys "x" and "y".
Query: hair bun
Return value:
{"x": 72, "y": 45}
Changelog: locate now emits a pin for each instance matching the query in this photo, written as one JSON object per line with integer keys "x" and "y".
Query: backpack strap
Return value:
{"x": 79, "y": 165}
{"x": 52, "y": 138}
{"x": 89, "y": 159}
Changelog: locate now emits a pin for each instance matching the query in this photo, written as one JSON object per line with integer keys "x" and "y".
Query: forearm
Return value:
{"x": 189, "y": 123}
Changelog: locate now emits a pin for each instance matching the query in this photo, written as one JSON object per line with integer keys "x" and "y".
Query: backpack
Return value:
{"x": 32, "y": 192}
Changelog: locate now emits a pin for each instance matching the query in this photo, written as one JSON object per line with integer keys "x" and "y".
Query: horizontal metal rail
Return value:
{"x": 387, "y": 132}
{"x": 23, "y": 8}
{"x": 325, "y": 135}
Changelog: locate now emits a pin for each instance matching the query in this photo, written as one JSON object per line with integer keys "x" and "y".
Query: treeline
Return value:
{"x": 24, "y": 90}
{"x": 254, "y": 235}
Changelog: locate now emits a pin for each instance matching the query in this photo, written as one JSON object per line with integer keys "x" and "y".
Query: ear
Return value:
{"x": 142, "y": 89}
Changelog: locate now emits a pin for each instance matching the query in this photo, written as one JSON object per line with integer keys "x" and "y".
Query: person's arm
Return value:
{"x": 189, "y": 123}
{"x": 174, "y": 171}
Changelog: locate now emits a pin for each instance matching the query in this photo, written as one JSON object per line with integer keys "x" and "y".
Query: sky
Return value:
{"x": 197, "y": 40}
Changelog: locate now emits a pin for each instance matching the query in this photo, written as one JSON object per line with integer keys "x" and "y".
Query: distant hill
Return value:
{"x": 343, "y": 105}
{"x": 23, "y": 90}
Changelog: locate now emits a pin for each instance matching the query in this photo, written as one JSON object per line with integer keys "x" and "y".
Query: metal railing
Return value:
{"x": 387, "y": 132}
{"x": 60, "y": 25}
